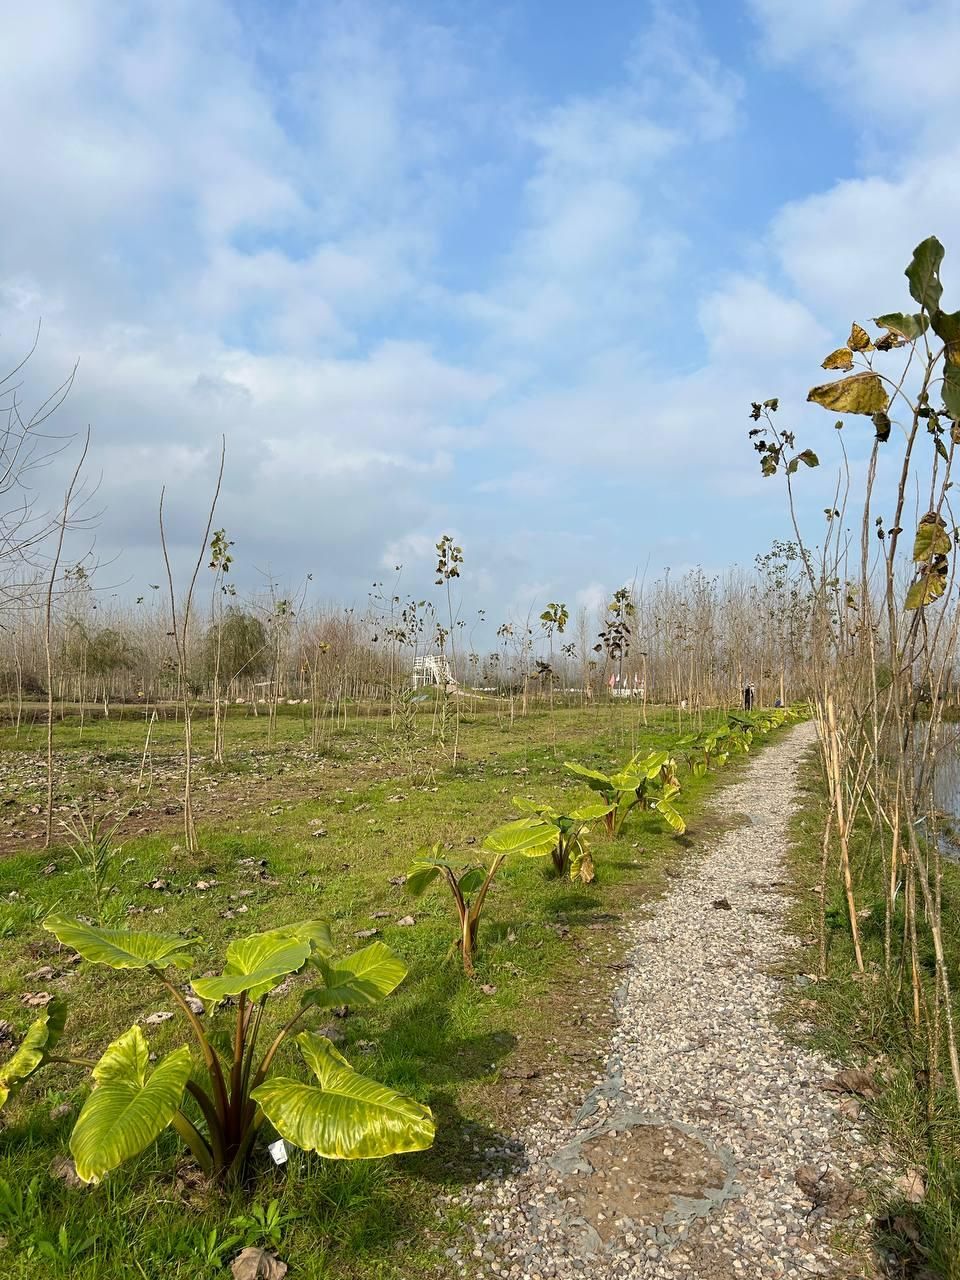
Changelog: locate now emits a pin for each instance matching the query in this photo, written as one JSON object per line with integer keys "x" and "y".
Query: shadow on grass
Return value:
{"x": 429, "y": 1044}
{"x": 423, "y": 1039}
{"x": 571, "y": 905}
{"x": 465, "y": 1149}
{"x": 920, "y": 1241}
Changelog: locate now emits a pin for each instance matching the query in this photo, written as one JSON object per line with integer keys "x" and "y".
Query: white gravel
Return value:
{"x": 697, "y": 1044}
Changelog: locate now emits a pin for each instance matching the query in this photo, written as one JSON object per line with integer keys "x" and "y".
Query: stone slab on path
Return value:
{"x": 683, "y": 1160}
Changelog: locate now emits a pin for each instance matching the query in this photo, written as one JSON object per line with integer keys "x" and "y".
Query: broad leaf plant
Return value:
{"x": 337, "y": 1113}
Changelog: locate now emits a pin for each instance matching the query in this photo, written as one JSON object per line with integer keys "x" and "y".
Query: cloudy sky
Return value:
{"x": 512, "y": 270}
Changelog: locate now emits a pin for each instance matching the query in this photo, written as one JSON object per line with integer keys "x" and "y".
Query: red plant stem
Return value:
{"x": 278, "y": 1041}
{"x": 209, "y": 1053}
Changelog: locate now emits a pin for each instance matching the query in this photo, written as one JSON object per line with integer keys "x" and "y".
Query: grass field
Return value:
{"x": 864, "y": 1020}
{"x": 287, "y": 833}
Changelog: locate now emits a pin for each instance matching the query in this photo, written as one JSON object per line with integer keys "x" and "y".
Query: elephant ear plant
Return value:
{"x": 706, "y": 751}
{"x": 470, "y": 885}
{"x": 645, "y": 782}
{"x": 36, "y": 1049}
{"x": 568, "y": 831}
{"x": 340, "y": 1114}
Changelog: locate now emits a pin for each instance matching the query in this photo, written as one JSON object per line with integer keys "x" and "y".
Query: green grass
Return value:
{"x": 862, "y": 1020}
{"x": 439, "y": 1037}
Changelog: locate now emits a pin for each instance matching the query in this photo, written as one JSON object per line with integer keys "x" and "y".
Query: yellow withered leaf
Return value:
{"x": 859, "y": 339}
{"x": 841, "y": 359}
{"x": 932, "y": 539}
{"x": 861, "y": 393}
{"x": 930, "y": 586}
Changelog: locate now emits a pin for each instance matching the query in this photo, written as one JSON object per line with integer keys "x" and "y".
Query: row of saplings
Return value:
{"x": 647, "y": 782}
{"x": 340, "y": 1114}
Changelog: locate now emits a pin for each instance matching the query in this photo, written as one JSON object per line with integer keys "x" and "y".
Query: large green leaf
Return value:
{"x": 316, "y": 932}
{"x": 529, "y": 836}
{"x": 128, "y": 1107}
{"x": 530, "y": 807}
{"x": 255, "y": 964}
{"x": 946, "y": 325}
{"x": 906, "y": 326}
{"x": 422, "y": 874}
{"x": 664, "y": 806}
{"x": 471, "y": 880}
{"x": 359, "y": 979}
{"x": 640, "y": 769}
{"x": 42, "y": 1035}
{"x": 950, "y": 390}
{"x": 932, "y": 538}
{"x": 598, "y": 781}
{"x": 628, "y": 779}
{"x": 591, "y": 812}
{"x": 923, "y": 274}
{"x": 345, "y": 1117}
{"x": 861, "y": 393}
{"x": 122, "y": 948}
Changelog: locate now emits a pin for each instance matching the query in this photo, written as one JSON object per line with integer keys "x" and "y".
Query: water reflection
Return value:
{"x": 946, "y": 788}
{"x": 946, "y": 776}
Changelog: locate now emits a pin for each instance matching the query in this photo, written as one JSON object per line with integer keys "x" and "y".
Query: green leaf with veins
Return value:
{"x": 923, "y": 273}
{"x": 363, "y": 978}
{"x": 255, "y": 965}
{"x": 128, "y": 1109}
{"x": 905, "y": 326}
{"x": 122, "y": 948}
{"x": 42, "y": 1036}
{"x": 345, "y": 1116}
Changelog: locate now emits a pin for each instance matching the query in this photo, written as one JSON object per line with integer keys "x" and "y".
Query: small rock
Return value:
{"x": 36, "y": 999}
{"x": 853, "y": 1080}
{"x": 257, "y": 1264}
{"x": 911, "y": 1186}
{"x": 64, "y": 1169}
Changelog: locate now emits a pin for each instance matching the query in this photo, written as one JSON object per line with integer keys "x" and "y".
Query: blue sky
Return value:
{"x": 512, "y": 271}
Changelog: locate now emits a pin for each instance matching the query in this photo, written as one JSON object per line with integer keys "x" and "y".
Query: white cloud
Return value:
{"x": 883, "y": 63}
{"x": 599, "y": 239}
{"x": 354, "y": 240}
{"x": 847, "y": 247}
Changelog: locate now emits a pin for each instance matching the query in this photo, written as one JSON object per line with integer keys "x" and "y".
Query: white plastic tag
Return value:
{"x": 278, "y": 1150}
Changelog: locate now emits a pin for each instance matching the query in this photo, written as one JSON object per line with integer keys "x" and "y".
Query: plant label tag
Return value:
{"x": 278, "y": 1150}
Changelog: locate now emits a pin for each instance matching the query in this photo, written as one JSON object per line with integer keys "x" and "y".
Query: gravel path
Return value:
{"x": 683, "y": 1161}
